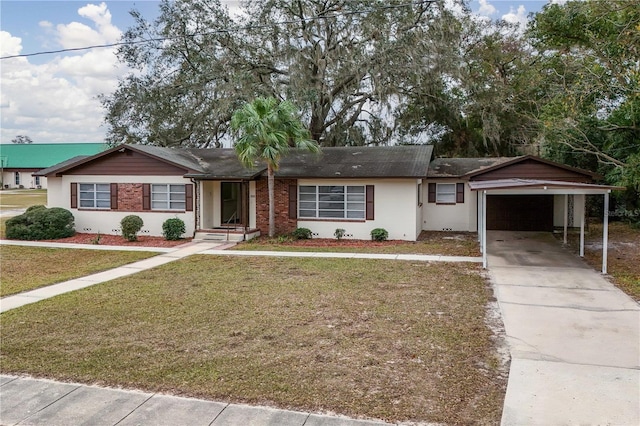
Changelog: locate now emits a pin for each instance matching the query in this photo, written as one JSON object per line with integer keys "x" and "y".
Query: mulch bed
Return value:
{"x": 118, "y": 240}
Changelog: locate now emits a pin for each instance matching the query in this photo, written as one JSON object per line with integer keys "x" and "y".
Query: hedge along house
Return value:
{"x": 358, "y": 189}
{"x": 20, "y": 162}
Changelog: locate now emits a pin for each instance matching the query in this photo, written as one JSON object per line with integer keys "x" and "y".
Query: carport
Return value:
{"x": 525, "y": 188}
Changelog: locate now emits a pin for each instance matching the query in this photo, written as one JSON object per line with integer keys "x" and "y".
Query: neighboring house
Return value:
{"x": 398, "y": 188}
{"x": 19, "y": 162}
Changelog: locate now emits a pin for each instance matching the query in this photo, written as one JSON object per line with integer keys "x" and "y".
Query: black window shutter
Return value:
{"x": 431, "y": 196}
{"x": 188, "y": 189}
{"x": 369, "y": 202}
{"x": 146, "y": 196}
{"x": 114, "y": 196}
{"x": 293, "y": 201}
{"x": 459, "y": 192}
{"x": 74, "y": 195}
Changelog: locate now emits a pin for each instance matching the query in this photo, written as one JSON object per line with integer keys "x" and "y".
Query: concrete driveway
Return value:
{"x": 574, "y": 338}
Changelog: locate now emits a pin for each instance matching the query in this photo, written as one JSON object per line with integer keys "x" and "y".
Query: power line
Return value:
{"x": 226, "y": 30}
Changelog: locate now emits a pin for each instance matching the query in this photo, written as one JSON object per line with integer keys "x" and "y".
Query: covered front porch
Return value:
{"x": 226, "y": 210}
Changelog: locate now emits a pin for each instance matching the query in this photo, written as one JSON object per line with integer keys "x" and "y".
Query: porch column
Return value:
{"x": 584, "y": 208}
{"x": 566, "y": 217}
{"x": 605, "y": 232}
{"x": 484, "y": 230}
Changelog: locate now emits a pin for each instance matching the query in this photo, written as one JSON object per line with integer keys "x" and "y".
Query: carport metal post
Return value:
{"x": 566, "y": 217}
{"x": 605, "y": 232}
{"x": 584, "y": 212}
{"x": 484, "y": 229}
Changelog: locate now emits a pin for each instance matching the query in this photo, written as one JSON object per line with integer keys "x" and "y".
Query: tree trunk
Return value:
{"x": 272, "y": 214}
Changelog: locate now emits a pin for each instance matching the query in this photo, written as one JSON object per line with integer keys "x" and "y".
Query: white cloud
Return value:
{"x": 57, "y": 101}
{"x": 45, "y": 24}
{"x": 518, "y": 16}
{"x": 486, "y": 8}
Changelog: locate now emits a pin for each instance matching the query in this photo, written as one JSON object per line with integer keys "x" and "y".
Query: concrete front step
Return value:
{"x": 223, "y": 235}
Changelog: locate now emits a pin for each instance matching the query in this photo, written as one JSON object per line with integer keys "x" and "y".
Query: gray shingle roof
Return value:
{"x": 402, "y": 161}
{"x": 458, "y": 167}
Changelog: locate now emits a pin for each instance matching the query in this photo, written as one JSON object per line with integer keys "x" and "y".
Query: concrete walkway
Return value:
{"x": 28, "y": 401}
{"x": 574, "y": 337}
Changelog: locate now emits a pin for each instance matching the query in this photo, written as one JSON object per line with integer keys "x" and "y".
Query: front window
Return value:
{"x": 168, "y": 197}
{"x": 95, "y": 195}
{"x": 17, "y": 178}
{"x": 331, "y": 202}
{"x": 446, "y": 193}
{"x": 37, "y": 178}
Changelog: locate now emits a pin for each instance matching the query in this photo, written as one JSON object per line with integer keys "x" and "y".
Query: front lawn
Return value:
{"x": 623, "y": 255}
{"x": 434, "y": 243}
{"x": 400, "y": 341}
{"x": 22, "y": 198}
{"x": 27, "y": 268}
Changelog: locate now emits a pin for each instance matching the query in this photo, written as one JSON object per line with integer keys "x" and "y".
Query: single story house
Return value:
{"x": 19, "y": 162}
{"x": 399, "y": 188}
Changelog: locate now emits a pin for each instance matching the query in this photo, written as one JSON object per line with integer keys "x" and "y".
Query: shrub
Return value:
{"x": 302, "y": 234}
{"x": 339, "y": 233}
{"x": 173, "y": 228}
{"x": 379, "y": 234}
{"x": 41, "y": 223}
{"x": 131, "y": 225}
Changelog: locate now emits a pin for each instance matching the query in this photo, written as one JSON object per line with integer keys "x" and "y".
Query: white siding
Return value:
{"x": 450, "y": 217}
{"x": 395, "y": 209}
{"x": 108, "y": 221}
{"x": 558, "y": 210}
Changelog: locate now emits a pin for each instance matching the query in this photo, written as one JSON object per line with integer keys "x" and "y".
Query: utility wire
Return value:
{"x": 226, "y": 30}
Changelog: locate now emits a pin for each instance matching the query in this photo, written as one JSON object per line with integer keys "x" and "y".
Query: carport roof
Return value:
{"x": 528, "y": 185}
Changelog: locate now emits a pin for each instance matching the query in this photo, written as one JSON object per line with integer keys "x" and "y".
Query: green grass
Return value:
{"x": 401, "y": 341}
{"x": 434, "y": 243}
{"x": 27, "y": 268}
{"x": 23, "y": 198}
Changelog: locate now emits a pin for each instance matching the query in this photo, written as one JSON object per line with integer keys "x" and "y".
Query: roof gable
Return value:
{"x": 530, "y": 167}
{"x": 131, "y": 160}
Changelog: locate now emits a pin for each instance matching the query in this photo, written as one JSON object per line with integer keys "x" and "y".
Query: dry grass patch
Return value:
{"x": 434, "y": 243}
{"x": 401, "y": 341}
{"x": 623, "y": 255}
{"x": 27, "y": 268}
{"x": 21, "y": 199}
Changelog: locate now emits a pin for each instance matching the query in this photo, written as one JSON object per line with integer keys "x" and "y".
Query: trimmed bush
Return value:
{"x": 302, "y": 234}
{"x": 41, "y": 223}
{"x": 379, "y": 234}
{"x": 131, "y": 225}
{"x": 173, "y": 228}
{"x": 339, "y": 233}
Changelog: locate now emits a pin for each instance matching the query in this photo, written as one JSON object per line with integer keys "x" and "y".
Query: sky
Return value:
{"x": 54, "y": 97}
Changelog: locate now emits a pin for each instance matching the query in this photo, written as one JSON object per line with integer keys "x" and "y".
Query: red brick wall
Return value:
{"x": 284, "y": 224}
{"x": 130, "y": 197}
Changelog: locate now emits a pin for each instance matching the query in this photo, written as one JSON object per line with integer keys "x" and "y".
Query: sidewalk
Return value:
{"x": 45, "y": 402}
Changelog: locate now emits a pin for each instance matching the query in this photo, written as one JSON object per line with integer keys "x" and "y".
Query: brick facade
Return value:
{"x": 284, "y": 224}
{"x": 130, "y": 197}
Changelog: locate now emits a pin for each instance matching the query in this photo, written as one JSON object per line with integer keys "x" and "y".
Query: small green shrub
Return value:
{"x": 131, "y": 225}
{"x": 41, "y": 223}
{"x": 379, "y": 234}
{"x": 283, "y": 239}
{"x": 302, "y": 234}
{"x": 339, "y": 233}
{"x": 173, "y": 228}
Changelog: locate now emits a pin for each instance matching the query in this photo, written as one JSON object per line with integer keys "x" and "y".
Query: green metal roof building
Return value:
{"x": 19, "y": 161}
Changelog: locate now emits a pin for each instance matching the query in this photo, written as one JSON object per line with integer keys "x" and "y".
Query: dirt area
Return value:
{"x": 118, "y": 240}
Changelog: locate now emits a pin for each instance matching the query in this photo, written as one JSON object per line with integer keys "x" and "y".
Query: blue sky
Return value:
{"x": 53, "y": 98}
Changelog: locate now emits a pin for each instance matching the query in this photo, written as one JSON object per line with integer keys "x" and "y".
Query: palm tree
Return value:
{"x": 266, "y": 129}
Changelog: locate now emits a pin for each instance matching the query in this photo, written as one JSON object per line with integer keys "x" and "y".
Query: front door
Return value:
{"x": 231, "y": 194}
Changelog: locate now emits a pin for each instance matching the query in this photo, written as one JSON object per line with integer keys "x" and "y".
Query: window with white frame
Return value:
{"x": 446, "y": 193}
{"x": 95, "y": 195}
{"x": 37, "y": 180}
{"x": 168, "y": 197}
{"x": 17, "y": 178}
{"x": 331, "y": 202}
